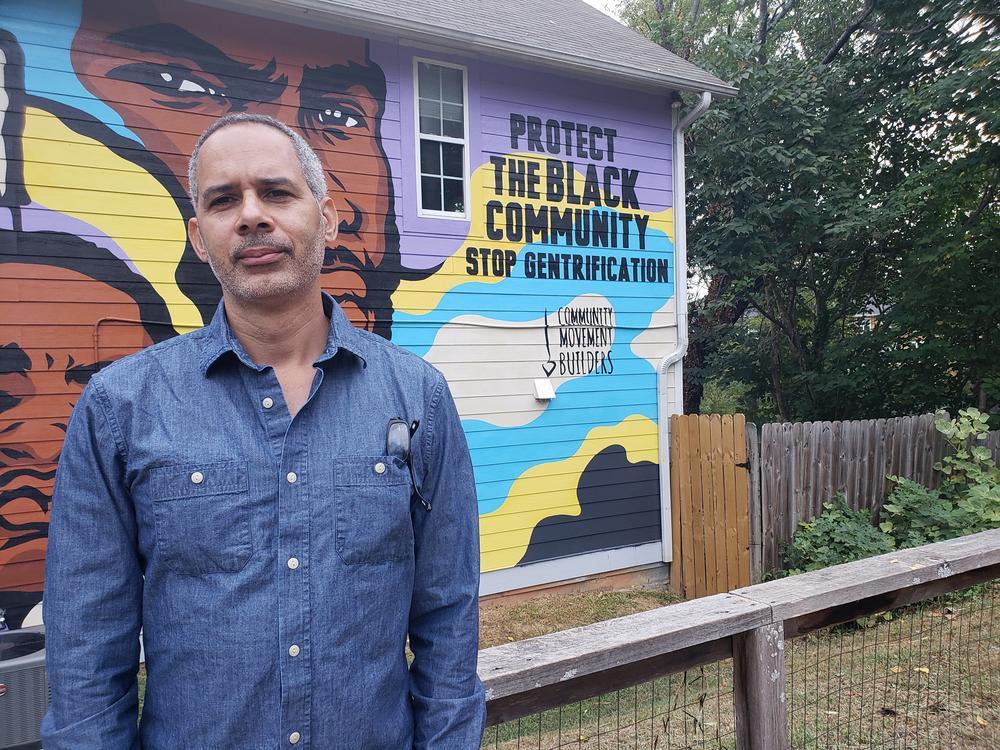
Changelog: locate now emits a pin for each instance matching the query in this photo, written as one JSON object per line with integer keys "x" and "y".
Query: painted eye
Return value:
{"x": 189, "y": 86}
{"x": 338, "y": 117}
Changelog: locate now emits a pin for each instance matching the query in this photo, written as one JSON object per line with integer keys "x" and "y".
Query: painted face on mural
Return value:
{"x": 257, "y": 223}
{"x": 46, "y": 358}
{"x": 170, "y": 68}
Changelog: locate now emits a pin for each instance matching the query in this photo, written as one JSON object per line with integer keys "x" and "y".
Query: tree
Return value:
{"x": 846, "y": 201}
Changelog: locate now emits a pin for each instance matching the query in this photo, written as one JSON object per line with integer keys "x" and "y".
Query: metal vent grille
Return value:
{"x": 24, "y": 703}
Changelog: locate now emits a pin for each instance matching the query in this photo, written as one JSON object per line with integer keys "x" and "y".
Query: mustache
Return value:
{"x": 259, "y": 240}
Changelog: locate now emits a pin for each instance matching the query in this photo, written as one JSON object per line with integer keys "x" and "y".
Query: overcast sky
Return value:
{"x": 605, "y": 5}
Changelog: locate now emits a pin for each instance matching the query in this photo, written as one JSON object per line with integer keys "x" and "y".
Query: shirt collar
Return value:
{"x": 218, "y": 338}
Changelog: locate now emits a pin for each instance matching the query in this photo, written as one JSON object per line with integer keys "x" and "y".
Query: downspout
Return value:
{"x": 663, "y": 405}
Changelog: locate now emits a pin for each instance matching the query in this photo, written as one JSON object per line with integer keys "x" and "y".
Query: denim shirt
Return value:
{"x": 274, "y": 564}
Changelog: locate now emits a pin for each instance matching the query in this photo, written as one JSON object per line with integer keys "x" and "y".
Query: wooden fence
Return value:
{"x": 738, "y": 493}
{"x": 750, "y": 625}
{"x": 805, "y": 464}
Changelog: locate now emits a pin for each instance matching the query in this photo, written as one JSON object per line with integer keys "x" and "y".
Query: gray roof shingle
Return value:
{"x": 567, "y": 35}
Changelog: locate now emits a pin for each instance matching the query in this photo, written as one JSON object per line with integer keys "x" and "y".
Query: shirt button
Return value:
{"x": 380, "y": 468}
{"x": 292, "y": 477}
{"x": 294, "y": 738}
{"x": 197, "y": 477}
{"x": 267, "y": 403}
{"x": 293, "y": 650}
{"x": 293, "y": 563}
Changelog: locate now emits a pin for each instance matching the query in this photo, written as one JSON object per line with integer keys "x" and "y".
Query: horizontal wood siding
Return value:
{"x": 96, "y": 139}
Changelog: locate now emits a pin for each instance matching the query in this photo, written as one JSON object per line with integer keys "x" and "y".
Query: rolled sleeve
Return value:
{"x": 93, "y": 589}
{"x": 447, "y": 696}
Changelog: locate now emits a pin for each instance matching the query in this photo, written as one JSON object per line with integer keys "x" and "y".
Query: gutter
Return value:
{"x": 673, "y": 359}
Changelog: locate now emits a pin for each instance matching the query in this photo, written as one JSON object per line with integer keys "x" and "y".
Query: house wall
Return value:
{"x": 101, "y": 103}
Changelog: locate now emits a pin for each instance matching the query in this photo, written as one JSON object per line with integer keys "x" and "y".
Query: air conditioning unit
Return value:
{"x": 24, "y": 688}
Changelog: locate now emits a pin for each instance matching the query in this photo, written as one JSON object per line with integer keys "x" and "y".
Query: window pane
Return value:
{"x": 452, "y": 112}
{"x": 430, "y": 190}
{"x": 429, "y": 80}
{"x": 454, "y": 196}
{"x": 451, "y": 85}
{"x": 454, "y": 163}
{"x": 430, "y": 117}
{"x": 430, "y": 157}
{"x": 453, "y": 129}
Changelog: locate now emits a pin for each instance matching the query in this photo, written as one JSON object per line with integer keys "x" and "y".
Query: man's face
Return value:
{"x": 170, "y": 68}
{"x": 46, "y": 358}
{"x": 256, "y": 222}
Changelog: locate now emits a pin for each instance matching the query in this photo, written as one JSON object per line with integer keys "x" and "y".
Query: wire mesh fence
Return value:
{"x": 692, "y": 709}
{"x": 925, "y": 677}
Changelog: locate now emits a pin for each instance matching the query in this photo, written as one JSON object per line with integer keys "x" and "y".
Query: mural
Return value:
{"x": 563, "y": 268}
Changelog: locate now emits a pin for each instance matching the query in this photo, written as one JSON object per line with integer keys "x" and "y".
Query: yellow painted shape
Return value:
{"x": 420, "y": 297}
{"x": 550, "y": 490}
{"x": 134, "y": 210}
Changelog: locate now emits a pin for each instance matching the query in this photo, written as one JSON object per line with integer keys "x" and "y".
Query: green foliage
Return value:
{"x": 969, "y": 465}
{"x": 969, "y": 499}
{"x": 724, "y": 397}
{"x": 917, "y": 515}
{"x": 838, "y": 535}
{"x": 846, "y": 203}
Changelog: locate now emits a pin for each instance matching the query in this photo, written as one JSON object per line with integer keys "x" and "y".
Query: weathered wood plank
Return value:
{"x": 717, "y": 503}
{"x": 831, "y": 587}
{"x": 689, "y": 550}
{"x": 544, "y": 697}
{"x": 741, "y": 489}
{"x": 676, "y": 464}
{"x": 710, "y": 517}
{"x": 759, "y": 689}
{"x": 550, "y": 659}
{"x": 698, "y": 582}
{"x": 755, "y": 504}
{"x": 729, "y": 472}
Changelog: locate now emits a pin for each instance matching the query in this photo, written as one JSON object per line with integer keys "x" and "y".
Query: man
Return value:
{"x": 258, "y": 513}
{"x": 54, "y": 304}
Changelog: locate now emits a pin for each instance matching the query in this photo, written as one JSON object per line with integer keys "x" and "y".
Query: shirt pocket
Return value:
{"x": 202, "y": 516}
{"x": 372, "y": 496}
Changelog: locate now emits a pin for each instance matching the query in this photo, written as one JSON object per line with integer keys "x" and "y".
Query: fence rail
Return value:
{"x": 749, "y": 624}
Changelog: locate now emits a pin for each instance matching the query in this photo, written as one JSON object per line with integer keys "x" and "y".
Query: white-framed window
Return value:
{"x": 442, "y": 127}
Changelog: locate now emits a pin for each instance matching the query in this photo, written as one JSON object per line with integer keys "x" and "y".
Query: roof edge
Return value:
{"x": 309, "y": 12}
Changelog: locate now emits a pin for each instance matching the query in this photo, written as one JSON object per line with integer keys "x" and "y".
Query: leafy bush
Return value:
{"x": 969, "y": 465}
{"x": 918, "y": 515}
{"x": 969, "y": 498}
{"x": 838, "y": 535}
{"x": 967, "y": 502}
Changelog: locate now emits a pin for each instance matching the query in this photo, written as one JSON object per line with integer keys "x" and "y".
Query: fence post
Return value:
{"x": 759, "y": 687}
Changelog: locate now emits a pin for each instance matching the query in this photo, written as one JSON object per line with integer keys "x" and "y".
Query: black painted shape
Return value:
{"x": 620, "y": 507}
{"x": 12, "y": 192}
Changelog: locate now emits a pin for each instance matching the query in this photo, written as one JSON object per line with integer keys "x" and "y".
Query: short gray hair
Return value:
{"x": 311, "y": 166}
